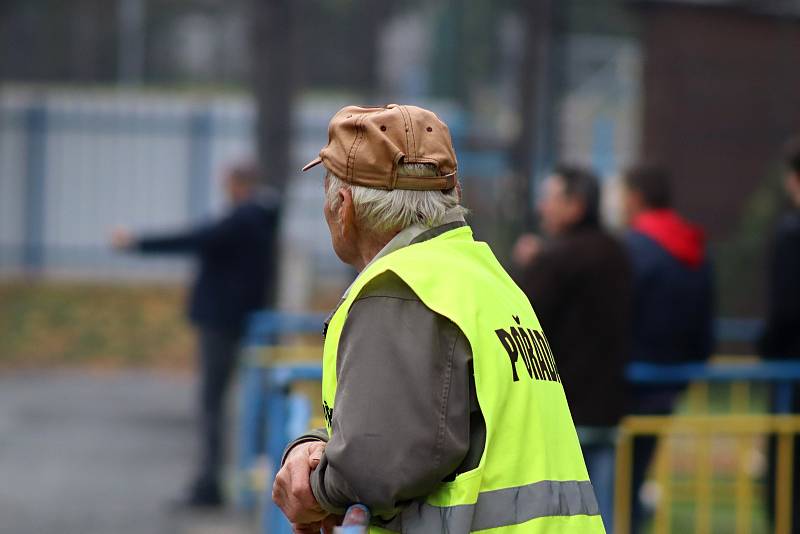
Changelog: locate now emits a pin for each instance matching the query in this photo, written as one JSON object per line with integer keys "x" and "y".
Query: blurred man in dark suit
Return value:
{"x": 234, "y": 273}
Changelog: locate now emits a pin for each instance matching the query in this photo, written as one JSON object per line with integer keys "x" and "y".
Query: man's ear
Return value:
{"x": 347, "y": 212}
{"x": 577, "y": 209}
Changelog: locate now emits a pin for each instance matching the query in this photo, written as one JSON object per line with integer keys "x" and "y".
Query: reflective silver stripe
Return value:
{"x": 500, "y": 508}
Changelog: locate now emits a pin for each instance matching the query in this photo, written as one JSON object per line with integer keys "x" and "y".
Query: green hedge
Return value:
{"x": 74, "y": 323}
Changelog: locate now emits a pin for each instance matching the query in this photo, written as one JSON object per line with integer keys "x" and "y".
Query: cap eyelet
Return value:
{"x": 429, "y": 129}
{"x": 383, "y": 128}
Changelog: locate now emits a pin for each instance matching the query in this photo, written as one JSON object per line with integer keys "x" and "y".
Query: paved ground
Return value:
{"x": 98, "y": 454}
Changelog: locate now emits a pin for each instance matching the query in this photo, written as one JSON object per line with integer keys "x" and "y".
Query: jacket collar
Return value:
{"x": 416, "y": 233}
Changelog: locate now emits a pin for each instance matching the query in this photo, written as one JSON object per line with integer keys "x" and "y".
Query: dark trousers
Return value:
{"x": 600, "y": 462}
{"x": 772, "y": 457}
{"x": 219, "y": 350}
{"x": 649, "y": 401}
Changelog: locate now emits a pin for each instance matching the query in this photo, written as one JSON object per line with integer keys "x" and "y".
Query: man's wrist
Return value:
{"x": 306, "y": 438}
{"x": 317, "y": 489}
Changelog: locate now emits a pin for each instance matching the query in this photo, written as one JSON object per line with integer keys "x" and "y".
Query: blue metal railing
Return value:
{"x": 781, "y": 374}
{"x": 287, "y": 417}
{"x": 264, "y": 394}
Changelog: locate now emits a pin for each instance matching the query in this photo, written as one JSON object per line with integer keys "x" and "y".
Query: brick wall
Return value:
{"x": 721, "y": 95}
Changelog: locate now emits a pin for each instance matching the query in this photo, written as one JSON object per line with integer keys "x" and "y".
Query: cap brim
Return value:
{"x": 313, "y": 163}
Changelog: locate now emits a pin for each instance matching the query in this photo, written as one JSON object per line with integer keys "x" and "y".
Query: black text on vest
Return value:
{"x": 534, "y": 349}
{"x": 328, "y": 413}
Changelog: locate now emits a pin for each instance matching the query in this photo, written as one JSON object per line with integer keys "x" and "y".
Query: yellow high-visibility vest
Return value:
{"x": 531, "y": 477}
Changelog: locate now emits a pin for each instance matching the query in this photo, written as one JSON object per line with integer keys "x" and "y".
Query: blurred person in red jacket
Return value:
{"x": 673, "y": 295}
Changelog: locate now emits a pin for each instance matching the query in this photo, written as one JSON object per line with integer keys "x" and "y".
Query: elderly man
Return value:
{"x": 444, "y": 408}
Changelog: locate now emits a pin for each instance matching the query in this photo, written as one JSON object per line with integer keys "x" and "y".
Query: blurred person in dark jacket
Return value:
{"x": 579, "y": 278}
{"x": 781, "y": 337}
{"x": 673, "y": 312}
{"x": 234, "y": 275}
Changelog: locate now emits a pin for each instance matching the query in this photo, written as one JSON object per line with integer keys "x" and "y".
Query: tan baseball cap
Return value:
{"x": 365, "y": 146}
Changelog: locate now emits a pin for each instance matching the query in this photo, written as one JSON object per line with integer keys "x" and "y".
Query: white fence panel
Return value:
{"x": 73, "y": 166}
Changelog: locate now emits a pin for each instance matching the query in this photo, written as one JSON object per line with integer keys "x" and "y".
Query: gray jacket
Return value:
{"x": 407, "y": 416}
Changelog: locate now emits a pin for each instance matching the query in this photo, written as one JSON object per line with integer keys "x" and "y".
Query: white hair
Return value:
{"x": 382, "y": 210}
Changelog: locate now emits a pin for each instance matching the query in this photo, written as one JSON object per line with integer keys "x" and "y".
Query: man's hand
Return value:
{"x": 292, "y": 489}
{"x": 121, "y": 239}
{"x": 526, "y": 249}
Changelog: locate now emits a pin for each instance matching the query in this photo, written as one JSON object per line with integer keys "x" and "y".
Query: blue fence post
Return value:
{"x": 35, "y": 170}
{"x": 299, "y": 416}
{"x": 201, "y": 129}
{"x": 252, "y": 407}
{"x": 272, "y": 519}
{"x": 251, "y": 414}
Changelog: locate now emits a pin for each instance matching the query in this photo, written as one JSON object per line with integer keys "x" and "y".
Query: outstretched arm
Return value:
{"x": 214, "y": 236}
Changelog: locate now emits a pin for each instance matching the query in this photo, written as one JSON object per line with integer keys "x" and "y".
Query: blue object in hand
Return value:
{"x": 356, "y": 520}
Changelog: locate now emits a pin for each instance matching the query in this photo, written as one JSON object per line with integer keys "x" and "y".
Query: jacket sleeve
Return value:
{"x": 541, "y": 281}
{"x": 317, "y": 434}
{"x": 707, "y": 336}
{"x": 401, "y": 418}
{"x": 215, "y": 236}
